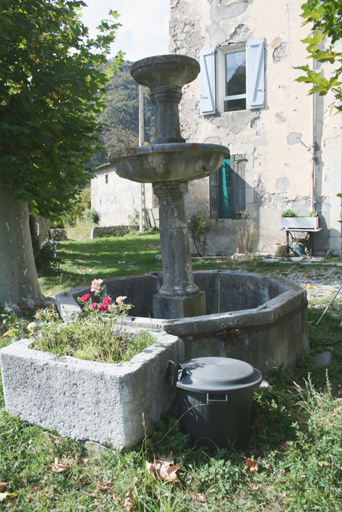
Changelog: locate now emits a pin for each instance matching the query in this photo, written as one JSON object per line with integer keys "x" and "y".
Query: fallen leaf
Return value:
{"x": 323, "y": 464}
{"x": 199, "y": 497}
{"x": 105, "y": 486}
{"x": 255, "y": 487}
{"x": 6, "y": 495}
{"x": 58, "y": 468}
{"x": 128, "y": 503}
{"x": 3, "y": 486}
{"x": 163, "y": 468}
{"x": 252, "y": 465}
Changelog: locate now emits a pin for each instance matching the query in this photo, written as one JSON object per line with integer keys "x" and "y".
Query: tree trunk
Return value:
{"x": 18, "y": 274}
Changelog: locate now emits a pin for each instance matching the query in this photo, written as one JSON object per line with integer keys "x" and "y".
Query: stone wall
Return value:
{"x": 276, "y": 139}
{"x": 99, "y": 231}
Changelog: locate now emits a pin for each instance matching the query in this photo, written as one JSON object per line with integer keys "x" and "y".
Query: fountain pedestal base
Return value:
{"x": 166, "y": 306}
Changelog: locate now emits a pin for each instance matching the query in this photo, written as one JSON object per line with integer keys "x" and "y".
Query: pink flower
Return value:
{"x": 103, "y": 307}
{"x": 93, "y": 306}
{"x": 120, "y": 300}
{"x": 107, "y": 300}
{"x": 86, "y": 297}
{"x": 96, "y": 285}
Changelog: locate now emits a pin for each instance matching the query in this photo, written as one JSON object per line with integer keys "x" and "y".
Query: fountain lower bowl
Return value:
{"x": 259, "y": 319}
{"x": 168, "y": 162}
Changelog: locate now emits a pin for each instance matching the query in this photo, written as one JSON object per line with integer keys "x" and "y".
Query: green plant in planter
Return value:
{"x": 97, "y": 335}
{"x": 288, "y": 213}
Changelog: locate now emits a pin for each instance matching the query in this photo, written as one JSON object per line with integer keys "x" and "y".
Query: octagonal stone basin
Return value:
{"x": 259, "y": 319}
{"x": 168, "y": 162}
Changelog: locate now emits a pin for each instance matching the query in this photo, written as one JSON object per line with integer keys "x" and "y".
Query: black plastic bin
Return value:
{"x": 214, "y": 397}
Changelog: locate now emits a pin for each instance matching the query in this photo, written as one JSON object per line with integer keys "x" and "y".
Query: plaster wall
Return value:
{"x": 115, "y": 198}
{"x": 279, "y": 166}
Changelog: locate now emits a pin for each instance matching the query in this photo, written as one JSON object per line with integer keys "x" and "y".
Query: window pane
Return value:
{"x": 231, "y": 105}
{"x": 235, "y": 73}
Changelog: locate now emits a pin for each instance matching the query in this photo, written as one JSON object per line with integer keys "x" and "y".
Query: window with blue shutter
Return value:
{"x": 240, "y": 84}
{"x": 256, "y": 73}
{"x": 207, "y": 82}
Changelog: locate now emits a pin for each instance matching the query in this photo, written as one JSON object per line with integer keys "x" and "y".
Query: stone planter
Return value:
{"x": 304, "y": 223}
{"x": 279, "y": 250}
{"x": 87, "y": 400}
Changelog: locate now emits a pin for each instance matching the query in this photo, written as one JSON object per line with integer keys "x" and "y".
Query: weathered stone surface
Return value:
{"x": 86, "y": 400}
{"x": 180, "y": 306}
{"x": 58, "y": 234}
{"x": 258, "y": 319}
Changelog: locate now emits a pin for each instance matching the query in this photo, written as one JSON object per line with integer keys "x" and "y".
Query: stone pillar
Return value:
{"x": 165, "y": 101}
{"x": 179, "y": 296}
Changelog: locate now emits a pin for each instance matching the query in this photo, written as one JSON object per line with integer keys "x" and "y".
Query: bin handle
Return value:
{"x": 175, "y": 372}
{"x": 211, "y": 400}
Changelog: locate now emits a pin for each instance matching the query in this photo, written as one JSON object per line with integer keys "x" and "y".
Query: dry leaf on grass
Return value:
{"x": 255, "y": 487}
{"x": 199, "y": 497}
{"x": 252, "y": 465}
{"x": 58, "y": 468}
{"x": 128, "y": 503}
{"x": 323, "y": 464}
{"x": 163, "y": 468}
{"x": 4, "y": 496}
{"x": 3, "y": 486}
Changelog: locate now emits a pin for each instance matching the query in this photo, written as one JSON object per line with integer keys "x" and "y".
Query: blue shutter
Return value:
{"x": 207, "y": 82}
{"x": 255, "y": 73}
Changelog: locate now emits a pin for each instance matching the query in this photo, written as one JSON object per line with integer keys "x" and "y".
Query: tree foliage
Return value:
{"x": 52, "y": 83}
{"x": 324, "y": 46}
{"x": 120, "y": 118}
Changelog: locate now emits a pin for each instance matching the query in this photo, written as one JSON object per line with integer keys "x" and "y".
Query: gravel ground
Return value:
{"x": 320, "y": 279}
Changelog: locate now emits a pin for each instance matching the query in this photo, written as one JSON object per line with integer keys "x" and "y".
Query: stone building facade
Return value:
{"x": 268, "y": 120}
{"x": 118, "y": 200}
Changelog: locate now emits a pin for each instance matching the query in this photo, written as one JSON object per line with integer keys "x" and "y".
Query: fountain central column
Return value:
{"x": 179, "y": 296}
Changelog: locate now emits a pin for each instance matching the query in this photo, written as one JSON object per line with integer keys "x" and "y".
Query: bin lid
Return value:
{"x": 210, "y": 374}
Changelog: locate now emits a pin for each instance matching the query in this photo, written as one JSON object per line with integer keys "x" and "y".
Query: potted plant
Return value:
{"x": 289, "y": 220}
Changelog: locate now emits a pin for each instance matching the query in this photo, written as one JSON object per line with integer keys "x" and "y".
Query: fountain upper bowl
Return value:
{"x": 165, "y": 71}
{"x": 168, "y": 162}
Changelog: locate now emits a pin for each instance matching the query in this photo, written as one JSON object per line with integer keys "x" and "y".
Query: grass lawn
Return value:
{"x": 295, "y": 438}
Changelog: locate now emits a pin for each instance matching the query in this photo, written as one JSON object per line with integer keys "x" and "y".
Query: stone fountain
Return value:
{"x": 259, "y": 319}
{"x": 169, "y": 163}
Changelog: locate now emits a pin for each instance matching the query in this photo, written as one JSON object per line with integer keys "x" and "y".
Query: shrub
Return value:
{"x": 199, "y": 227}
{"x": 79, "y": 209}
{"x": 246, "y": 233}
{"x": 45, "y": 256}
